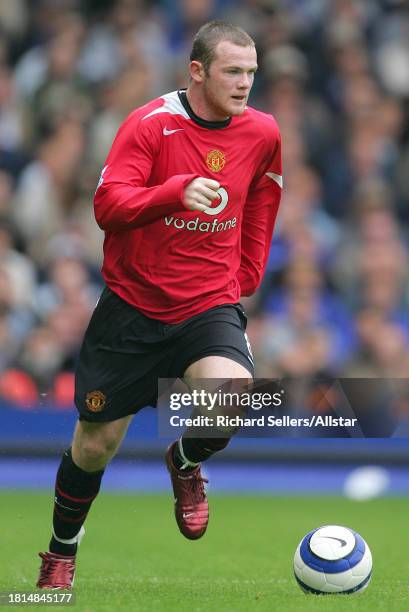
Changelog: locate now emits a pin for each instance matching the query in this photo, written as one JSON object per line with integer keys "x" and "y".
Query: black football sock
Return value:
{"x": 189, "y": 452}
{"x": 75, "y": 490}
{"x": 180, "y": 461}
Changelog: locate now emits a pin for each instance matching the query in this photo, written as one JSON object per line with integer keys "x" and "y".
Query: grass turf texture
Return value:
{"x": 133, "y": 557}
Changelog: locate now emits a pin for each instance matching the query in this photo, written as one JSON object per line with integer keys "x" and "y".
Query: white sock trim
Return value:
{"x": 75, "y": 540}
{"x": 186, "y": 462}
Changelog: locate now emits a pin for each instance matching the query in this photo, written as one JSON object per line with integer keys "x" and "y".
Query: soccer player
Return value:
{"x": 187, "y": 198}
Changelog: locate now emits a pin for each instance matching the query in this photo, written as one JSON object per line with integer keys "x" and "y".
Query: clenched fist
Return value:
{"x": 200, "y": 193}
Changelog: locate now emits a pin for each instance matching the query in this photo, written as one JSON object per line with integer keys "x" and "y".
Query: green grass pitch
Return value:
{"x": 133, "y": 557}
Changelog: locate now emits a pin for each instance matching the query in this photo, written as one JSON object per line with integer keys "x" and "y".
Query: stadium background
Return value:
{"x": 334, "y": 301}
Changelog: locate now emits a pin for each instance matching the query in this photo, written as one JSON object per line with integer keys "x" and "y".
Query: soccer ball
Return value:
{"x": 332, "y": 559}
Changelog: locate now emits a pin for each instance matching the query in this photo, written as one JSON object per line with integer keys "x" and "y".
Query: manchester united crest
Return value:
{"x": 95, "y": 401}
{"x": 215, "y": 160}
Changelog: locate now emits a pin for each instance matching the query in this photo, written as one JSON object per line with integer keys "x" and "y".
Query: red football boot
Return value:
{"x": 56, "y": 571}
{"x": 191, "y": 506}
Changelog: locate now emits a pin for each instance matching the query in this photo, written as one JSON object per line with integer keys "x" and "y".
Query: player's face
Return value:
{"x": 227, "y": 85}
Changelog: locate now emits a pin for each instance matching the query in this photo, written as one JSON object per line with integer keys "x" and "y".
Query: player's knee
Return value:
{"x": 91, "y": 452}
{"x": 97, "y": 451}
{"x": 94, "y": 445}
{"x": 110, "y": 443}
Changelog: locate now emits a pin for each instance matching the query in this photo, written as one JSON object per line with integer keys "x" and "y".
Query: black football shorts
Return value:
{"x": 124, "y": 353}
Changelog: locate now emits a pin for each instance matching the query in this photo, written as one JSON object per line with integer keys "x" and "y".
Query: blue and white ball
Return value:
{"x": 332, "y": 559}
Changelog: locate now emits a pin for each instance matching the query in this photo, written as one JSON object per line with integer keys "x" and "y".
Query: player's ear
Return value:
{"x": 197, "y": 71}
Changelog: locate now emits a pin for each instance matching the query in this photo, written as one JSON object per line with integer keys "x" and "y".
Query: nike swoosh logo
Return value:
{"x": 187, "y": 514}
{"x": 66, "y": 507}
{"x": 167, "y": 132}
{"x": 343, "y": 542}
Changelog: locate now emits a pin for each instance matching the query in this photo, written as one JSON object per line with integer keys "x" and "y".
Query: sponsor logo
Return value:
{"x": 187, "y": 514}
{"x": 95, "y": 401}
{"x": 196, "y": 225}
{"x": 224, "y": 198}
{"x": 167, "y": 132}
{"x": 215, "y": 160}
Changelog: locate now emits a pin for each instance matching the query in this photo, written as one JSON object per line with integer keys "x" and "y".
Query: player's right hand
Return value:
{"x": 200, "y": 193}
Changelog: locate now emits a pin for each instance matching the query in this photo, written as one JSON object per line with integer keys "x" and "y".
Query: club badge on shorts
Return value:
{"x": 95, "y": 401}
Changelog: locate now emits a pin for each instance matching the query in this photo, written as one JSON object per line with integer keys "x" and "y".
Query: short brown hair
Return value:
{"x": 209, "y": 36}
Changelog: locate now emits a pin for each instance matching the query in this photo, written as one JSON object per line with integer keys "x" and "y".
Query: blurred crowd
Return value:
{"x": 334, "y": 73}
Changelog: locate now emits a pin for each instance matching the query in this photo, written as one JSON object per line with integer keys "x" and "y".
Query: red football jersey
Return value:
{"x": 169, "y": 262}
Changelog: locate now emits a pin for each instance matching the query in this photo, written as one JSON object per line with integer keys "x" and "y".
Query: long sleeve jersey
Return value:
{"x": 167, "y": 261}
